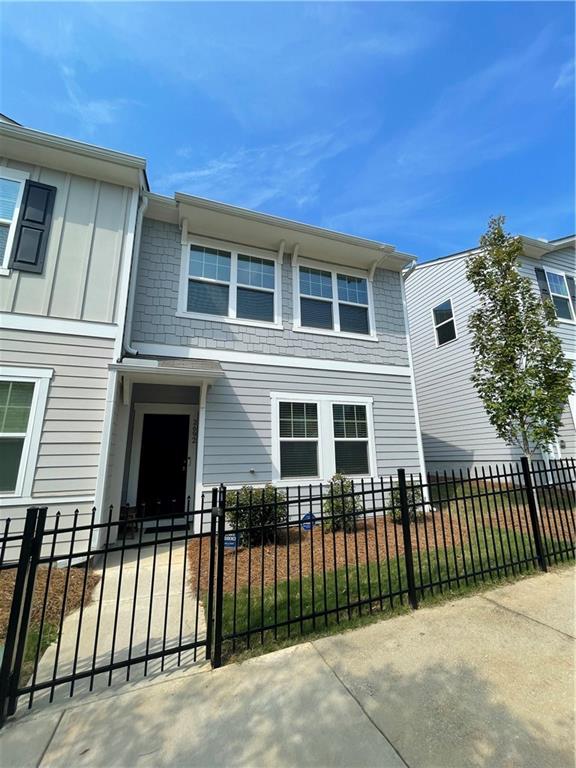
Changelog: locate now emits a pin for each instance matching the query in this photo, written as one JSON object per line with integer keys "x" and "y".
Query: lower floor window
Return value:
{"x": 15, "y": 404}
{"x": 23, "y": 394}
{"x": 351, "y": 439}
{"x": 319, "y": 436}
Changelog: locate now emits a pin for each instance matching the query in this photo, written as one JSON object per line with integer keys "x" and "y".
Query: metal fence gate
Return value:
{"x": 95, "y": 603}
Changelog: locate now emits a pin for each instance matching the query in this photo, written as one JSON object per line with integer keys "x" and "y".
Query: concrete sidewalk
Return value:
{"x": 484, "y": 681}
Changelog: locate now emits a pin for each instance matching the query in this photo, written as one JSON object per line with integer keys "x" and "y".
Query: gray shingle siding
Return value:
{"x": 156, "y": 304}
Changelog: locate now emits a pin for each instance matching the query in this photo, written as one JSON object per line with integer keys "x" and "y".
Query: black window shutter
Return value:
{"x": 542, "y": 283}
{"x": 33, "y": 227}
{"x": 572, "y": 290}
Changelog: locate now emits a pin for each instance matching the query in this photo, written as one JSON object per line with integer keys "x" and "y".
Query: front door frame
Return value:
{"x": 176, "y": 409}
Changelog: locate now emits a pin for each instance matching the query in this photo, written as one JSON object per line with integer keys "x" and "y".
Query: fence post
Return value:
{"x": 408, "y": 559}
{"x": 219, "y": 596}
{"x": 534, "y": 516}
{"x": 212, "y": 567}
{"x": 19, "y": 615}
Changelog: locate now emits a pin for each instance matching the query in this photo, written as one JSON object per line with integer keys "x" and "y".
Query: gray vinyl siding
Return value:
{"x": 560, "y": 261}
{"x": 455, "y": 429}
{"x": 156, "y": 305}
{"x": 238, "y": 428}
{"x": 70, "y": 443}
{"x": 84, "y": 260}
{"x": 456, "y": 432}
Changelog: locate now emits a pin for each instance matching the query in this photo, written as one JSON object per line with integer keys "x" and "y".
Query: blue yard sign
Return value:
{"x": 308, "y": 521}
{"x": 231, "y": 540}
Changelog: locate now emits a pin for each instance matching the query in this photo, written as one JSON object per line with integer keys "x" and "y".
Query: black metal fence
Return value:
{"x": 93, "y": 602}
{"x": 301, "y": 560}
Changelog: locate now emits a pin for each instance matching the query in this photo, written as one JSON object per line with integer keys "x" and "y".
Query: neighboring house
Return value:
{"x": 67, "y": 222}
{"x": 456, "y": 432}
{"x": 259, "y": 350}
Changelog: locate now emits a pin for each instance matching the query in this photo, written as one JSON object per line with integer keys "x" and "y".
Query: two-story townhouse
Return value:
{"x": 456, "y": 432}
{"x": 258, "y": 350}
{"x": 68, "y": 215}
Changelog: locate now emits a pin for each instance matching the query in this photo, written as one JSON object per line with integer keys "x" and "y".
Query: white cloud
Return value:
{"x": 566, "y": 75}
{"x": 252, "y": 177}
{"x": 91, "y": 113}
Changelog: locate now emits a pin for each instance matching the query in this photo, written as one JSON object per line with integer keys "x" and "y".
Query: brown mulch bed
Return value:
{"x": 54, "y": 598}
{"x": 377, "y": 539}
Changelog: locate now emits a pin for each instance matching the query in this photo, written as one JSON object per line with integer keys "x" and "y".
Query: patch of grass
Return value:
{"x": 290, "y": 605}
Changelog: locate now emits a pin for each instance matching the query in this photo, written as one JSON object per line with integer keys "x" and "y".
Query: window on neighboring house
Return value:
{"x": 23, "y": 394}
{"x": 350, "y": 439}
{"x": 333, "y": 301}
{"x": 298, "y": 439}
{"x": 444, "y": 323}
{"x": 231, "y": 285}
{"x": 560, "y": 295}
{"x": 11, "y": 188}
{"x": 320, "y": 436}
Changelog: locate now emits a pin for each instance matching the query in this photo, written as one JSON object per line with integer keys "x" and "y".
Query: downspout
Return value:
{"x": 133, "y": 277}
{"x": 425, "y": 491}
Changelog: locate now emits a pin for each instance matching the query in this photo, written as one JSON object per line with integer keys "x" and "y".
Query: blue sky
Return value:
{"x": 410, "y": 123}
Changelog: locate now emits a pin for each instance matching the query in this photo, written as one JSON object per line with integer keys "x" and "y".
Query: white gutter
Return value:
{"x": 133, "y": 277}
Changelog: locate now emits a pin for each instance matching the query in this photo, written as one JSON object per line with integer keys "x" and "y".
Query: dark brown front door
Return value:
{"x": 163, "y": 463}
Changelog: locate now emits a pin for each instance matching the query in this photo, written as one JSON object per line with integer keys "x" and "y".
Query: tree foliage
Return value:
{"x": 520, "y": 371}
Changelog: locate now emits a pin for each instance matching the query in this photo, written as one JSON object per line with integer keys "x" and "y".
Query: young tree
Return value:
{"x": 520, "y": 371}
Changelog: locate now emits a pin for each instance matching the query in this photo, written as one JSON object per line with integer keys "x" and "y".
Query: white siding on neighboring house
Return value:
{"x": 455, "y": 429}
{"x": 456, "y": 432}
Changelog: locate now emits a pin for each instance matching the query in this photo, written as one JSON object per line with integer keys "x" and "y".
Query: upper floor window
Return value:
{"x": 558, "y": 285}
{"x": 231, "y": 286}
{"x": 11, "y": 189}
{"x": 333, "y": 301}
{"x": 444, "y": 324}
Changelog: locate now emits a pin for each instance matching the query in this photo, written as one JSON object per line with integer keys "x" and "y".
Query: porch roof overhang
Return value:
{"x": 184, "y": 372}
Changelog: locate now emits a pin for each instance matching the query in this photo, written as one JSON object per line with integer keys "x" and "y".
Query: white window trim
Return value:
{"x": 438, "y": 325}
{"x": 560, "y": 296}
{"x": 234, "y": 249}
{"x": 334, "y": 271}
{"x": 326, "y": 438}
{"x": 40, "y": 377}
{"x": 22, "y": 177}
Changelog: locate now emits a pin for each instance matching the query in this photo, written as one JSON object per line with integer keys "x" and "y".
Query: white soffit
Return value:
{"x": 44, "y": 149}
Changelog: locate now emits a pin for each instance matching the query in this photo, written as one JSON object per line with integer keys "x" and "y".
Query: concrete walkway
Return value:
{"x": 141, "y": 607}
{"x": 486, "y": 681}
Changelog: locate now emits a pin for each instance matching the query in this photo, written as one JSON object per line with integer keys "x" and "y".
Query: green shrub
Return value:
{"x": 253, "y": 508}
{"x": 339, "y": 508}
{"x": 415, "y": 504}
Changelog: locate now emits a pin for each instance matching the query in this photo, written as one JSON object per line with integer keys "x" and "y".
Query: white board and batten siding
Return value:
{"x": 456, "y": 432}
{"x": 82, "y": 272}
{"x": 69, "y": 319}
{"x": 238, "y": 427}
